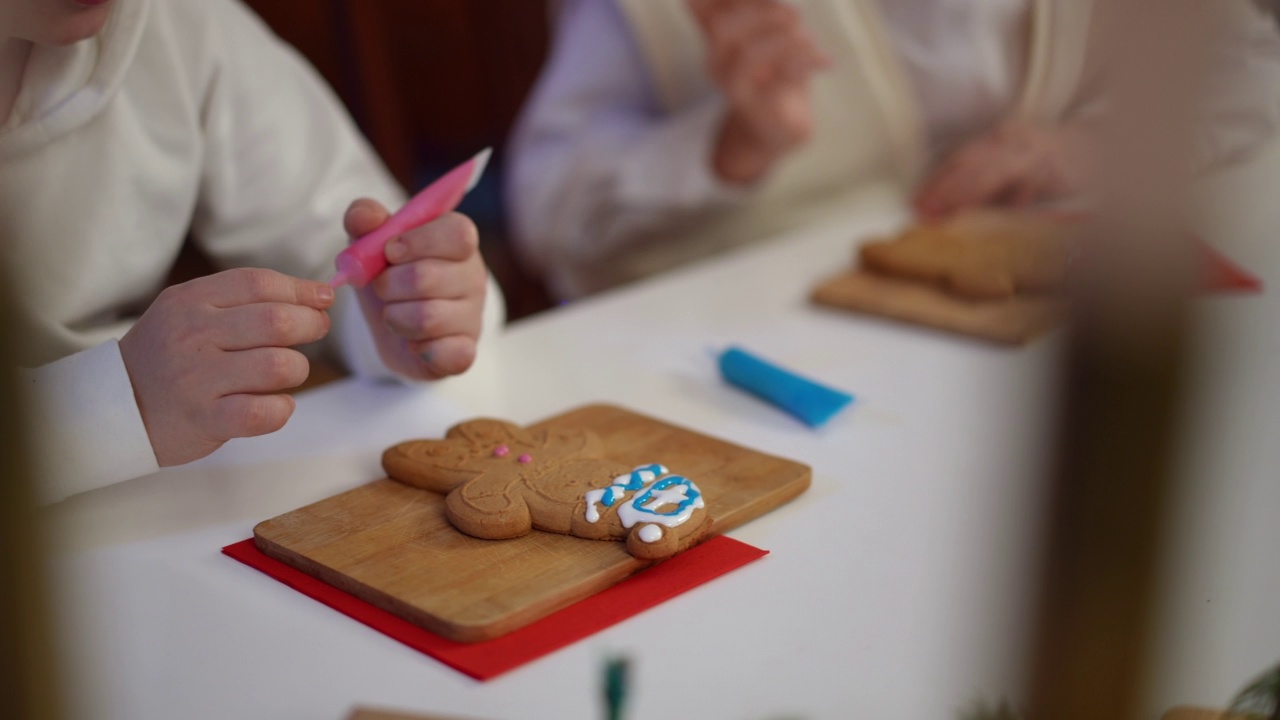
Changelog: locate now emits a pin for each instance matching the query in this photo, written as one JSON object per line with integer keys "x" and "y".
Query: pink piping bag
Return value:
{"x": 365, "y": 258}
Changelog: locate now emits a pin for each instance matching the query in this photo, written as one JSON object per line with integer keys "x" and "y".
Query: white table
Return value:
{"x": 897, "y": 586}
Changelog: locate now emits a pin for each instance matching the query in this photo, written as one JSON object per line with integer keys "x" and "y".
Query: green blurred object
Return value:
{"x": 1261, "y": 699}
{"x": 981, "y": 710}
{"x": 616, "y": 678}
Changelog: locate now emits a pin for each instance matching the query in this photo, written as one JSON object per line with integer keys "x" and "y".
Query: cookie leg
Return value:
{"x": 651, "y": 541}
{"x": 491, "y": 517}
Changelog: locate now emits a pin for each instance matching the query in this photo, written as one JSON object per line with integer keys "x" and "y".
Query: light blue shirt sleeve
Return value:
{"x": 596, "y": 164}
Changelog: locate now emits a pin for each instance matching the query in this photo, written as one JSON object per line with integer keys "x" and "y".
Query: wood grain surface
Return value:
{"x": 1013, "y": 321}
{"x": 391, "y": 545}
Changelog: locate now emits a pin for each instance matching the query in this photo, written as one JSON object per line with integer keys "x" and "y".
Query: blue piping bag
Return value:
{"x": 812, "y": 403}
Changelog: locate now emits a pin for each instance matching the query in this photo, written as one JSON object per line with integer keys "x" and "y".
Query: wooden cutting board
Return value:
{"x": 392, "y": 546}
{"x": 1013, "y": 321}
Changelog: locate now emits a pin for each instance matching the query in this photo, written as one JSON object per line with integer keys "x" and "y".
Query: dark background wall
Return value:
{"x": 431, "y": 82}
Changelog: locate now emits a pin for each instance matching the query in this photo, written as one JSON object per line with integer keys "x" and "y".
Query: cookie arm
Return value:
{"x": 488, "y": 515}
{"x": 413, "y": 463}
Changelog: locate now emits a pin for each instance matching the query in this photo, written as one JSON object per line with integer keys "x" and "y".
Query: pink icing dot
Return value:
{"x": 525, "y": 459}
{"x": 501, "y": 451}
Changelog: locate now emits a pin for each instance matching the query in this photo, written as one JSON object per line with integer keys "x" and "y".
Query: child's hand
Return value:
{"x": 762, "y": 57}
{"x": 209, "y": 358}
{"x": 426, "y": 309}
{"x": 1016, "y": 164}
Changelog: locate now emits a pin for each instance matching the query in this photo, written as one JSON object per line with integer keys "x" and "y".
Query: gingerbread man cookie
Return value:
{"x": 501, "y": 480}
{"x": 984, "y": 254}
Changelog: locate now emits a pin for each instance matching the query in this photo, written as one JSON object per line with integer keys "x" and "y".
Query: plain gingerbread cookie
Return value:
{"x": 982, "y": 254}
{"x": 502, "y": 480}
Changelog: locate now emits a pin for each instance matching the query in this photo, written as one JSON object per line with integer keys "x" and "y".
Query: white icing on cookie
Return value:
{"x": 592, "y": 497}
{"x": 635, "y": 480}
{"x": 659, "y": 500}
{"x": 655, "y": 504}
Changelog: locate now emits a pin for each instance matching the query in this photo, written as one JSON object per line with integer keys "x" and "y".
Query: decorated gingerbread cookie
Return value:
{"x": 502, "y": 480}
{"x": 984, "y": 254}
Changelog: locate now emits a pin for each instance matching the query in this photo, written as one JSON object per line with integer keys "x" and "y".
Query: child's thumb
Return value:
{"x": 363, "y": 217}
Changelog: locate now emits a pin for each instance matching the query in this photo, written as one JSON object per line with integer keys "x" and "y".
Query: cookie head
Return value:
{"x": 468, "y": 451}
{"x": 486, "y": 447}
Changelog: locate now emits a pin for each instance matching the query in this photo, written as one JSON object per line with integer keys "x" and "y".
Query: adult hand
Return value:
{"x": 762, "y": 58}
{"x": 426, "y": 309}
{"x": 1016, "y": 164}
{"x": 209, "y": 359}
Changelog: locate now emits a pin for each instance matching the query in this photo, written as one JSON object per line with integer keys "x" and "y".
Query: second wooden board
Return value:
{"x": 1013, "y": 321}
{"x": 392, "y": 545}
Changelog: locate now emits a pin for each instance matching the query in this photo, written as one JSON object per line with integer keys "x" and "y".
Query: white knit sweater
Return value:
{"x": 182, "y": 117}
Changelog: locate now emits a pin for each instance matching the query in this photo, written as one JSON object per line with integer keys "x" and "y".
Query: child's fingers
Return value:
{"x": 728, "y": 21}
{"x": 244, "y": 415}
{"x": 451, "y": 237}
{"x": 425, "y": 320}
{"x": 763, "y": 62}
{"x": 1026, "y": 192}
{"x": 425, "y": 279}
{"x": 770, "y": 51}
{"x": 995, "y": 181}
{"x": 704, "y": 11}
{"x": 244, "y": 286}
{"x": 447, "y": 356}
{"x": 782, "y": 60}
{"x": 969, "y": 188}
{"x": 960, "y": 182}
{"x": 363, "y": 217}
{"x": 268, "y": 325}
{"x": 804, "y": 62}
{"x": 743, "y": 26}
{"x": 961, "y": 163}
{"x": 260, "y": 370}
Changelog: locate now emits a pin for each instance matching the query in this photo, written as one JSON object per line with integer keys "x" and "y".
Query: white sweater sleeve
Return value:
{"x": 1244, "y": 93}
{"x": 595, "y": 164}
{"x": 86, "y": 423}
{"x": 280, "y": 161}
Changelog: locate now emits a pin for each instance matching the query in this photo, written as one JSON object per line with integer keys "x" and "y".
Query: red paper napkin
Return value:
{"x": 1218, "y": 273}
{"x": 485, "y": 660}
{"x": 1221, "y": 275}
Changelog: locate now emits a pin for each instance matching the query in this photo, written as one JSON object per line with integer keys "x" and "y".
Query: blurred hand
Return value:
{"x": 209, "y": 359}
{"x": 762, "y": 58}
{"x": 426, "y": 309}
{"x": 1016, "y": 164}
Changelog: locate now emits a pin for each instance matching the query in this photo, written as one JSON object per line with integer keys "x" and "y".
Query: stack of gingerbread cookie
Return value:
{"x": 996, "y": 275}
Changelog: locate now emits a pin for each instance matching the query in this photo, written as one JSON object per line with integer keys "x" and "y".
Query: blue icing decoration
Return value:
{"x": 691, "y": 495}
{"x": 636, "y": 480}
{"x": 610, "y": 496}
